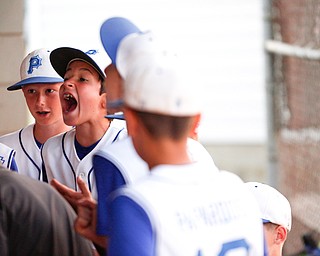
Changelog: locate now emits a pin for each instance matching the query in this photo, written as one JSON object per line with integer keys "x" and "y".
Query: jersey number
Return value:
{"x": 227, "y": 247}
{"x": 233, "y": 245}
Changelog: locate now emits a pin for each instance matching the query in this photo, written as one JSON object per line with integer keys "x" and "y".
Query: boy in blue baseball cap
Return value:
{"x": 40, "y": 85}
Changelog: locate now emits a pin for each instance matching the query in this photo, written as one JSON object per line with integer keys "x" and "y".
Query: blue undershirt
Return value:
{"x": 131, "y": 224}
{"x": 83, "y": 151}
{"x": 108, "y": 178}
{"x": 129, "y": 221}
{"x": 39, "y": 144}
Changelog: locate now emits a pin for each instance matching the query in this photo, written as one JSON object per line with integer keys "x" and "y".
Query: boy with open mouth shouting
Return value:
{"x": 83, "y": 99}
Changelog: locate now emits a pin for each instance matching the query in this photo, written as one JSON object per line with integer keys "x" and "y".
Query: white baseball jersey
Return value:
{"x": 123, "y": 155}
{"x": 193, "y": 211}
{"x": 28, "y": 157}
{"x": 198, "y": 153}
{"x": 61, "y": 161}
{"x": 6, "y": 155}
{"x": 126, "y": 163}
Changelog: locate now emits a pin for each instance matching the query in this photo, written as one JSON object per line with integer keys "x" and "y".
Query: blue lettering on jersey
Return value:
{"x": 92, "y": 52}
{"x": 217, "y": 213}
{"x": 231, "y": 246}
{"x": 34, "y": 62}
{"x": 2, "y": 160}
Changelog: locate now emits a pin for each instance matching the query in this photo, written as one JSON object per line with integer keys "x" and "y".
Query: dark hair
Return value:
{"x": 160, "y": 126}
{"x": 103, "y": 85}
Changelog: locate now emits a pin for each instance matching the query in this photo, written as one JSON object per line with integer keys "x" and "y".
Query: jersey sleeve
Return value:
{"x": 108, "y": 178}
{"x": 131, "y": 229}
{"x": 13, "y": 166}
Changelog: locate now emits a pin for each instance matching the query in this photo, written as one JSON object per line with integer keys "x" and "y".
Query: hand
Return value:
{"x": 71, "y": 195}
{"x": 86, "y": 222}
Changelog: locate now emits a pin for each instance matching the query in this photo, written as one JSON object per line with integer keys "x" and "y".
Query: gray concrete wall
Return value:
{"x": 13, "y": 111}
{"x": 249, "y": 161}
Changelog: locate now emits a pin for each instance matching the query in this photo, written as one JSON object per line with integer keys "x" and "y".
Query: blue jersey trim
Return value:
{"x": 68, "y": 161}
{"x": 115, "y": 138}
{"x": 24, "y": 150}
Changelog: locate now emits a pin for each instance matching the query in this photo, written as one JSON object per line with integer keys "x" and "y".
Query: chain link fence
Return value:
{"x": 294, "y": 51}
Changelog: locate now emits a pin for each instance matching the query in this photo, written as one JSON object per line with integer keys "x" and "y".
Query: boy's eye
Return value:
{"x": 83, "y": 79}
{"x": 31, "y": 90}
{"x": 50, "y": 90}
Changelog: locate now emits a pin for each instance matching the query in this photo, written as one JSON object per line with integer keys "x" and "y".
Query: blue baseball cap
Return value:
{"x": 36, "y": 69}
{"x": 116, "y": 116}
{"x": 112, "y": 31}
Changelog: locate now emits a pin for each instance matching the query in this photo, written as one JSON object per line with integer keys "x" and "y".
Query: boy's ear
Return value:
{"x": 131, "y": 121}
{"x": 281, "y": 234}
{"x": 194, "y": 130}
{"x": 103, "y": 100}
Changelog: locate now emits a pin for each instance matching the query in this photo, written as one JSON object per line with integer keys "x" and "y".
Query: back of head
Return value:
{"x": 274, "y": 206}
{"x": 36, "y": 69}
{"x": 155, "y": 81}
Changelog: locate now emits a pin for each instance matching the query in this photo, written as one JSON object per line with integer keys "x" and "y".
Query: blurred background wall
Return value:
{"x": 13, "y": 111}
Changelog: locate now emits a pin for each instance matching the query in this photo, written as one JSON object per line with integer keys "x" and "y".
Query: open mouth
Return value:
{"x": 70, "y": 102}
{"x": 42, "y": 113}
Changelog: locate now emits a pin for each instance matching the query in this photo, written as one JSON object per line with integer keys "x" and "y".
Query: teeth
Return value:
{"x": 67, "y": 96}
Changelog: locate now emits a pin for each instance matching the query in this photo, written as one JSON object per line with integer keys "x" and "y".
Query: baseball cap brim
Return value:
{"x": 112, "y": 31}
{"x": 35, "y": 80}
{"x": 61, "y": 57}
{"x": 115, "y": 116}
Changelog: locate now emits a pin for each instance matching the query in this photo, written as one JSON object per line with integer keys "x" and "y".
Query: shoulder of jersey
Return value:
{"x": 9, "y": 136}
{"x": 55, "y": 140}
{"x": 230, "y": 176}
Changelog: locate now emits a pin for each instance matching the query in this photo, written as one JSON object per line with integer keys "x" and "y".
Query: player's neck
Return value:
{"x": 89, "y": 133}
{"x": 43, "y": 132}
{"x": 168, "y": 152}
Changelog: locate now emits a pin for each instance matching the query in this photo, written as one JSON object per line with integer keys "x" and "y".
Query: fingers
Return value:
{"x": 83, "y": 187}
{"x": 88, "y": 203}
{"x": 69, "y": 194}
{"x": 87, "y": 211}
{"x": 84, "y": 216}
{"x": 85, "y": 223}
{"x": 63, "y": 190}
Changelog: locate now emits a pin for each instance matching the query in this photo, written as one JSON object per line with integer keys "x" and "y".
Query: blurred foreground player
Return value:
{"x": 182, "y": 207}
{"x": 36, "y": 220}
